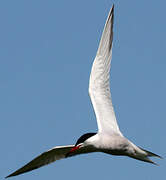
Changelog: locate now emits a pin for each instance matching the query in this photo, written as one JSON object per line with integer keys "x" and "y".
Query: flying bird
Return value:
{"x": 109, "y": 138}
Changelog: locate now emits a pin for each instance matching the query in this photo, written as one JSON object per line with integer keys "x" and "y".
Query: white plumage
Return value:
{"x": 99, "y": 84}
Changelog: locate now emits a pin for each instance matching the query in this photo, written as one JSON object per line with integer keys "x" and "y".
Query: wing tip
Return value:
{"x": 10, "y": 175}
{"x": 112, "y": 10}
{"x": 13, "y": 174}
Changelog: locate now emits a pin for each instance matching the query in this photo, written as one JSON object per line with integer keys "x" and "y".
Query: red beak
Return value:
{"x": 72, "y": 150}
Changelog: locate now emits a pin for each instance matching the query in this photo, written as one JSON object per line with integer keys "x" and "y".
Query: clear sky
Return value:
{"x": 46, "y": 52}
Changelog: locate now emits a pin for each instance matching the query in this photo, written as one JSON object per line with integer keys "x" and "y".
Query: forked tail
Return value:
{"x": 144, "y": 155}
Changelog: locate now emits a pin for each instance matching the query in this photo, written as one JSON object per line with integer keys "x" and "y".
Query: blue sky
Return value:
{"x": 47, "y": 49}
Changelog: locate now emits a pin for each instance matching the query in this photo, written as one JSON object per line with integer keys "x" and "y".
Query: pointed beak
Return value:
{"x": 72, "y": 150}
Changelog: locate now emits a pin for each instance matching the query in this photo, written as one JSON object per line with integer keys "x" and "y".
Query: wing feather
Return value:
{"x": 45, "y": 158}
{"x": 52, "y": 155}
{"x": 99, "y": 84}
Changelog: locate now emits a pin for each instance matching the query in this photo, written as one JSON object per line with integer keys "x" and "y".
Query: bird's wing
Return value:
{"x": 56, "y": 153}
{"x": 99, "y": 84}
{"x": 45, "y": 158}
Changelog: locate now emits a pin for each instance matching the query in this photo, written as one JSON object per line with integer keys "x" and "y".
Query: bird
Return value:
{"x": 109, "y": 139}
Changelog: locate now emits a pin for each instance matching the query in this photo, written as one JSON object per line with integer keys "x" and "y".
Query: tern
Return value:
{"x": 109, "y": 138}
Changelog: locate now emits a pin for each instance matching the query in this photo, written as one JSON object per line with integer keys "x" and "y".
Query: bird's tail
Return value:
{"x": 142, "y": 154}
{"x": 150, "y": 154}
{"x": 145, "y": 156}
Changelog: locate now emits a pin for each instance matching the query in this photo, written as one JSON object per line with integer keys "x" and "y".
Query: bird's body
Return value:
{"x": 109, "y": 138}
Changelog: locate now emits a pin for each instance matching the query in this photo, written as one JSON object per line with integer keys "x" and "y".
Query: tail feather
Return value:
{"x": 145, "y": 159}
{"x": 143, "y": 155}
{"x": 150, "y": 154}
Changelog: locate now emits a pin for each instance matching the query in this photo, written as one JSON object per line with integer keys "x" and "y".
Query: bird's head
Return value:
{"x": 80, "y": 143}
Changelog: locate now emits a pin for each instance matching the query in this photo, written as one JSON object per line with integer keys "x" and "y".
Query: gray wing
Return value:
{"x": 99, "y": 84}
{"x": 56, "y": 153}
{"x": 45, "y": 158}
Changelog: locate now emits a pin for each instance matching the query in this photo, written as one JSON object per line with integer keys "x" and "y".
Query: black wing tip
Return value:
{"x": 20, "y": 171}
{"x": 111, "y": 12}
{"x": 13, "y": 174}
{"x": 112, "y": 9}
{"x": 9, "y": 176}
